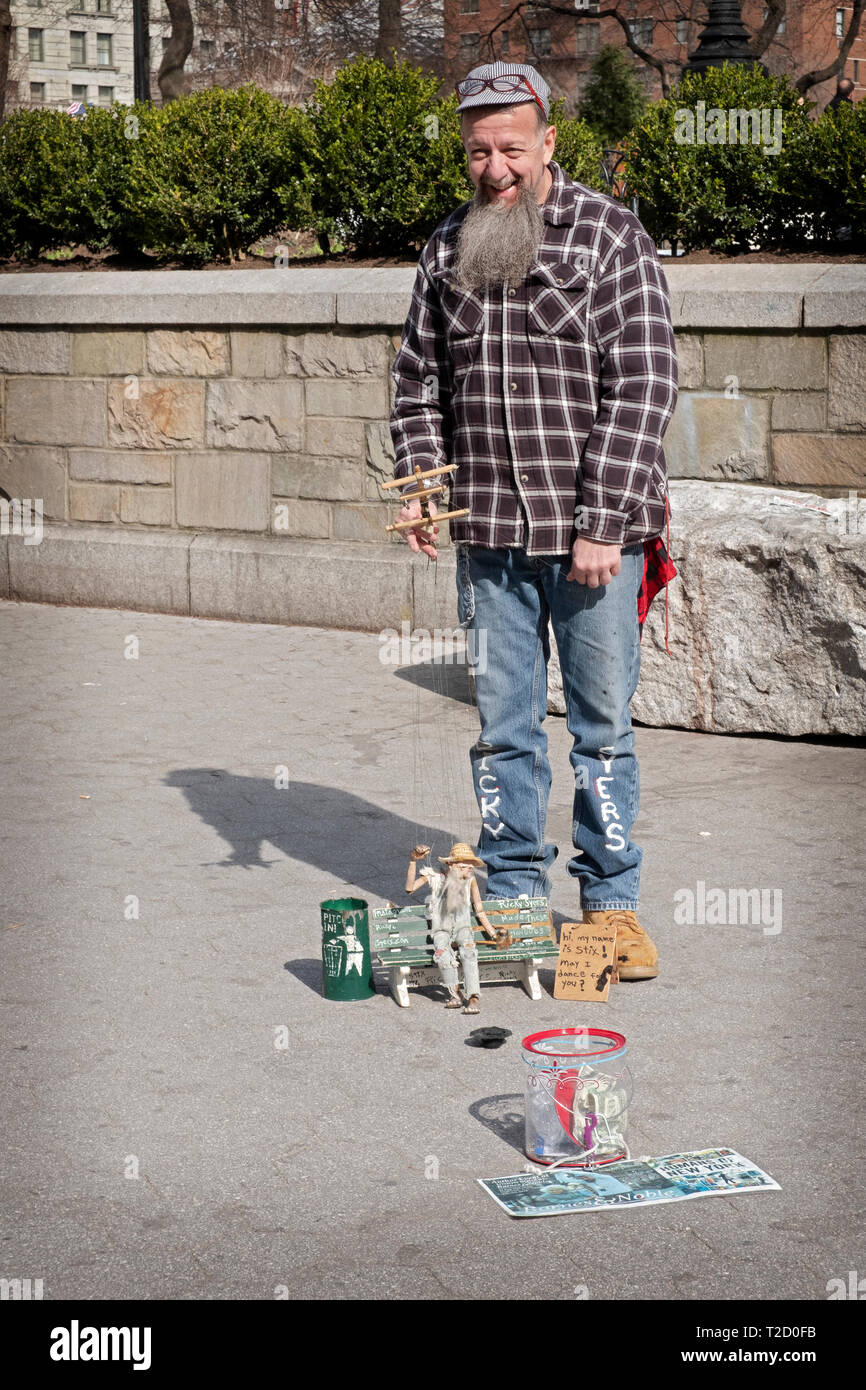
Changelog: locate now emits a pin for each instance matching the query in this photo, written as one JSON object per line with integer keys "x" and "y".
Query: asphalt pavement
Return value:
{"x": 187, "y": 1117}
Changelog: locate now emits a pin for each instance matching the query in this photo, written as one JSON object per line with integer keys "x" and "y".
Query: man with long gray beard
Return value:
{"x": 539, "y": 357}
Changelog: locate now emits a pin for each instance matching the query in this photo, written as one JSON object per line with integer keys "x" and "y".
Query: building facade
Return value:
{"x": 80, "y": 50}
{"x": 564, "y": 46}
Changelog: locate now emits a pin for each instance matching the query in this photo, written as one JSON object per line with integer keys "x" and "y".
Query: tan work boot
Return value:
{"x": 636, "y": 955}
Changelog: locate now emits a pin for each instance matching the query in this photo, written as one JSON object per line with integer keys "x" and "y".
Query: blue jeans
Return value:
{"x": 504, "y": 601}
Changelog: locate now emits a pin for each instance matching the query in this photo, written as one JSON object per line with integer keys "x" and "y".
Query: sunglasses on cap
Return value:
{"x": 507, "y": 82}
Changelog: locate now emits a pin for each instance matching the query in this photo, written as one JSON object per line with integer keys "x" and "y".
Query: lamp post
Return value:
{"x": 141, "y": 50}
{"x": 724, "y": 39}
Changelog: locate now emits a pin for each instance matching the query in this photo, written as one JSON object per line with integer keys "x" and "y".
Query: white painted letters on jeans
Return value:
{"x": 614, "y": 833}
{"x": 489, "y": 804}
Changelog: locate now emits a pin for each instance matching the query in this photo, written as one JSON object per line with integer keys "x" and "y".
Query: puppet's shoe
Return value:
{"x": 636, "y": 955}
{"x": 454, "y": 1000}
{"x": 473, "y": 1006}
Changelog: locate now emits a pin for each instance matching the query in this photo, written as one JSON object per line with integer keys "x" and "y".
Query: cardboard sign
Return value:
{"x": 586, "y": 962}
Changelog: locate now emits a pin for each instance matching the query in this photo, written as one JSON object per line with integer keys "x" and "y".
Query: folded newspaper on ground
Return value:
{"x": 635, "y": 1182}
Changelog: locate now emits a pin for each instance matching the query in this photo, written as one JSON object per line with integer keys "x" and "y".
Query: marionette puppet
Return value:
{"x": 453, "y": 896}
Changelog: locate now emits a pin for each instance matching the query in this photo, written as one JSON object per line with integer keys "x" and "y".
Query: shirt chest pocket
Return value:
{"x": 557, "y": 297}
{"x": 463, "y": 319}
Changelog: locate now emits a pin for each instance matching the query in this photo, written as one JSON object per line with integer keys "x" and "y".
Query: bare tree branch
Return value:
{"x": 586, "y": 16}
{"x": 816, "y": 75}
{"x": 285, "y": 44}
{"x": 642, "y": 53}
{"x": 776, "y": 12}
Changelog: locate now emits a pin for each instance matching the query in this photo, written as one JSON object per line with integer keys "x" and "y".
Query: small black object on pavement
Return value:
{"x": 488, "y": 1037}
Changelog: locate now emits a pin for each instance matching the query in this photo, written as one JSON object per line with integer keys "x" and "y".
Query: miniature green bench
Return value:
{"x": 401, "y": 939}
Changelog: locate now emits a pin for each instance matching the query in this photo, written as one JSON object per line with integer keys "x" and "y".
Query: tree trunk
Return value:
{"x": 390, "y": 31}
{"x": 5, "y": 45}
{"x": 170, "y": 75}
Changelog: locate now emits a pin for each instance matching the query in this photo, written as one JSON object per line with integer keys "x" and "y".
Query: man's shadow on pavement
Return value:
{"x": 329, "y": 828}
{"x": 345, "y": 836}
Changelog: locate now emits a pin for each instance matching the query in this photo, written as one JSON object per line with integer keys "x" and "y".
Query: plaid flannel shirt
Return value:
{"x": 552, "y": 396}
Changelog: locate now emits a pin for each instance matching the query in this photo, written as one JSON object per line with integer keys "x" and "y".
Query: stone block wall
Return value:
{"x": 256, "y": 402}
{"x": 280, "y": 432}
{"x": 213, "y": 443}
{"x": 784, "y": 408}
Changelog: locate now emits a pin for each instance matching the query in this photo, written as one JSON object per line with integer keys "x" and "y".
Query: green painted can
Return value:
{"x": 347, "y": 972}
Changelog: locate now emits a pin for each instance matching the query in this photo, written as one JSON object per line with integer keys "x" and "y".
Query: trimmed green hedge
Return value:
{"x": 795, "y": 188}
{"x": 210, "y": 174}
{"x": 822, "y": 176}
{"x": 376, "y": 160}
{"x": 60, "y": 180}
{"x": 383, "y": 156}
{"x": 578, "y": 150}
{"x": 388, "y": 163}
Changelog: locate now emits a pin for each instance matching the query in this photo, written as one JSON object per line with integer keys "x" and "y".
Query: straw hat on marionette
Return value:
{"x": 461, "y": 853}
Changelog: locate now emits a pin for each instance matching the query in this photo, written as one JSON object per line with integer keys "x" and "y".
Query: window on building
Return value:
{"x": 106, "y": 95}
{"x": 468, "y": 6}
{"x": 540, "y": 42}
{"x": 588, "y": 37}
{"x": 840, "y": 24}
{"x": 165, "y": 42}
{"x": 468, "y": 47}
{"x": 78, "y": 48}
{"x": 103, "y": 50}
{"x": 682, "y": 30}
{"x": 37, "y": 91}
{"x": 206, "y": 47}
{"x": 642, "y": 32}
{"x": 103, "y": 6}
{"x": 590, "y": 5}
{"x": 780, "y": 27}
{"x": 79, "y": 91}
{"x": 36, "y": 45}
{"x": 856, "y": 69}
{"x": 504, "y": 43}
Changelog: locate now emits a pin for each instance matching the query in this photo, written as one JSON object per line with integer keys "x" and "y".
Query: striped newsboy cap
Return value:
{"x": 488, "y": 97}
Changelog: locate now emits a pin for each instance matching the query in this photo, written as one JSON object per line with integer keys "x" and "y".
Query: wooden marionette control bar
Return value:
{"x": 426, "y": 520}
{"x": 424, "y": 492}
{"x": 417, "y": 476}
